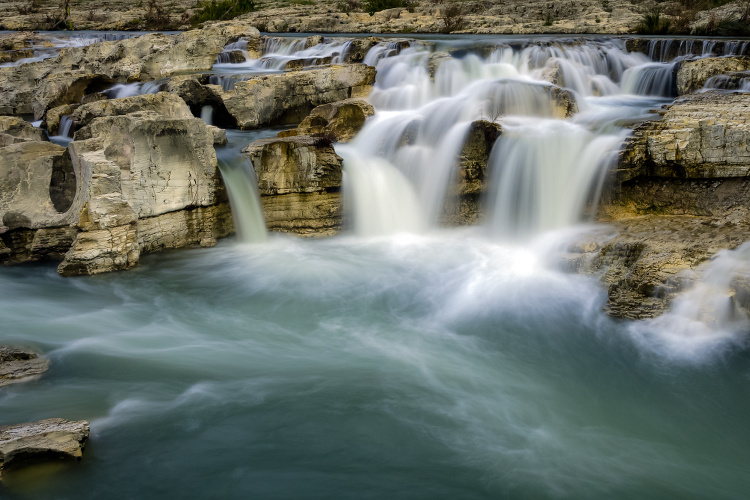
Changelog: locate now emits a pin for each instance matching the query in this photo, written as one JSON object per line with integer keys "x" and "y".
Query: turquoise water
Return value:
{"x": 438, "y": 366}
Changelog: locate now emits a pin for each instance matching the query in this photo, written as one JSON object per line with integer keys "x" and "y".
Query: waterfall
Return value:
{"x": 121, "y": 90}
{"x": 280, "y": 53}
{"x": 207, "y": 114}
{"x": 65, "y": 128}
{"x": 239, "y": 179}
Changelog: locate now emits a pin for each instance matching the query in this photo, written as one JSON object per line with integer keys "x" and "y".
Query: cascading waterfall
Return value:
{"x": 545, "y": 169}
{"x": 207, "y": 114}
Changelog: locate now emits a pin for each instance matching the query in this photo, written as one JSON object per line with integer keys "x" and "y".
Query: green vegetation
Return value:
{"x": 373, "y": 6}
{"x": 220, "y": 10}
{"x": 452, "y": 16}
{"x": 653, "y": 24}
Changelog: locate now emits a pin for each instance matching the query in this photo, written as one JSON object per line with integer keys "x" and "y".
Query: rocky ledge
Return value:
{"x": 20, "y": 365}
{"x": 53, "y": 439}
{"x": 681, "y": 194}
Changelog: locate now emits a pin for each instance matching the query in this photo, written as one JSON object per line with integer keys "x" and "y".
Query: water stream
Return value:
{"x": 400, "y": 359}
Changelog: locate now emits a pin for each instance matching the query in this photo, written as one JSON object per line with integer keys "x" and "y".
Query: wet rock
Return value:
{"x": 53, "y": 117}
{"x": 289, "y": 97}
{"x": 47, "y": 440}
{"x": 193, "y": 90}
{"x": 692, "y": 75}
{"x": 20, "y": 365}
{"x": 435, "y": 60}
{"x": 646, "y": 261}
{"x": 338, "y": 121}
{"x": 565, "y": 104}
{"x": 463, "y": 203}
{"x": 299, "y": 179}
{"x": 7, "y": 56}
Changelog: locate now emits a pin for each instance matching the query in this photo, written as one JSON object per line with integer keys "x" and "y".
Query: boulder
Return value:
{"x": 47, "y": 440}
{"x": 20, "y": 365}
{"x": 14, "y": 129}
{"x": 299, "y": 179}
{"x": 464, "y": 201}
{"x": 338, "y": 121}
{"x": 692, "y": 75}
{"x": 162, "y": 103}
{"x": 7, "y": 56}
{"x": 67, "y": 87}
{"x": 289, "y": 97}
{"x": 193, "y": 90}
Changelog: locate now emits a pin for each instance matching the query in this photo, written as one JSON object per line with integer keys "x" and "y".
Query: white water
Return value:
{"x": 545, "y": 168}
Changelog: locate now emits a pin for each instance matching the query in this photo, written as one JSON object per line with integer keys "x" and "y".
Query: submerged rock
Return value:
{"x": 47, "y": 440}
{"x": 289, "y": 97}
{"x": 20, "y": 365}
{"x": 299, "y": 179}
{"x": 338, "y": 121}
{"x": 692, "y": 75}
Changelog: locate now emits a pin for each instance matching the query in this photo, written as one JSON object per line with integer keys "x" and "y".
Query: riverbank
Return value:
{"x": 416, "y": 16}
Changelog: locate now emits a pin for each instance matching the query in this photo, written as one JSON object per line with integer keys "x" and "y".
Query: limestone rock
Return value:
{"x": 300, "y": 184}
{"x": 289, "y": 97}
{"x": 338, "y": 121}
{"x": 66, "y": 88}
{"x": 53, "y": 117}
{"x": 692, "y": 75}
{"x": 47, "y": 440}
{"x": 18, "y": 130}
{"x": 435, "y": 60}
{"x": 162, "y": 103}
{"x": 463, "y": 204}
{"x": 20, "y": 365}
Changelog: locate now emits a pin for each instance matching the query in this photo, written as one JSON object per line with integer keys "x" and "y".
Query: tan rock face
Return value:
{"x": 692, "y": 75}
{"x": 47, "y": 440}
{"x": 682, "y": 193}
{"x": 300, "y": 184}
{"x": 289, "y": 97}
{"x": 338, "y": 121}
{"x": 20, "y": 365}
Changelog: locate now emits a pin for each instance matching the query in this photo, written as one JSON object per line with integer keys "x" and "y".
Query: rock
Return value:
{"x": 338, "y": 121}
{"x": 193, "y": 90}
{"x": 358, "y": 49}
{"x": 59, "y": 80}
{"x": 7, "y": 56}
{"x": 565, "y": 104}
{"x": 701, "y": 136}
{"x": 26, "y": 178}
{"x": 47, "y": 440}
{"x": 162, "y": 103}
{"x": 20, "y": 130}
{"x": 299, "y": 179}
{"x": 138, "y": 166}
{"x": 289, "y": 97}
{"x": 20, "y": 365}
{"x": 66, "y": 88}
{"x": 464, "y": 201}
{"x": 435, "y": 60}
{"x": 646, "y": 261}
{"x": 692, "y": 75}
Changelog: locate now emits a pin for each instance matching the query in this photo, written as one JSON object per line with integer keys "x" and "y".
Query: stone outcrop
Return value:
{"x": 141, "y": 175}
{"x": 20, "y": 365}
{"x": 337, "y": 122}
{"x": 682, "y": 193}
{"x": 53, "y": 439}
{"x": 14, "y": 129}
{"x": 287, "y": 98}
{"x": 37, "y": 86}
{"x": 299, "y": 179}
{"x": 692, "y": 75}
{"x": 463, "y": 203}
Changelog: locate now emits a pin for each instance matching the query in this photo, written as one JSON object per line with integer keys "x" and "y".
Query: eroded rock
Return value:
{"x": 47, "y": 440}
{"x": 20, "y": 365}
{"x": 338, "y": 121}
{"x": 692, "y": 75}
{"x": 14, "y": 129}
{"x": 299, "y": 179}
{"x": 289, "y": 97}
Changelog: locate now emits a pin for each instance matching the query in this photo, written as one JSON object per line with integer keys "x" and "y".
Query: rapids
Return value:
{"x": 399, "y": 359}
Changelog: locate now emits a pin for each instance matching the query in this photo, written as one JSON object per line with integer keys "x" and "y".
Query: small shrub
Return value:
{"x": 452, "y": 17}
{"x": 653, "y": 24}
{"x": 549, "y": 20}
{"x": 348, "y": 6}
{"x": 220, "y": 10}
{"x": 156, "y": 17}
{"x": 605, "y": 6}
{"x": 373, "y": 6}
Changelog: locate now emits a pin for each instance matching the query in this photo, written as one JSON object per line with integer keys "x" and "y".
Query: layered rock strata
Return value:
{"x": 693, "y": 75}
{"x": 53, "y": 439}
{"x": 682, "y": 192}
{"x": 337, "y": 122}
{"x": 289, "y": 97}
{"x": 299, "y": 179}
{"x": 20, "y": 365}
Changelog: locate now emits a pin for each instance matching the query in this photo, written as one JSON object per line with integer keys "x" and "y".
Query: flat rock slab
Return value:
{"x": 20, "y": 365}
{"x": 42, "y": 441}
